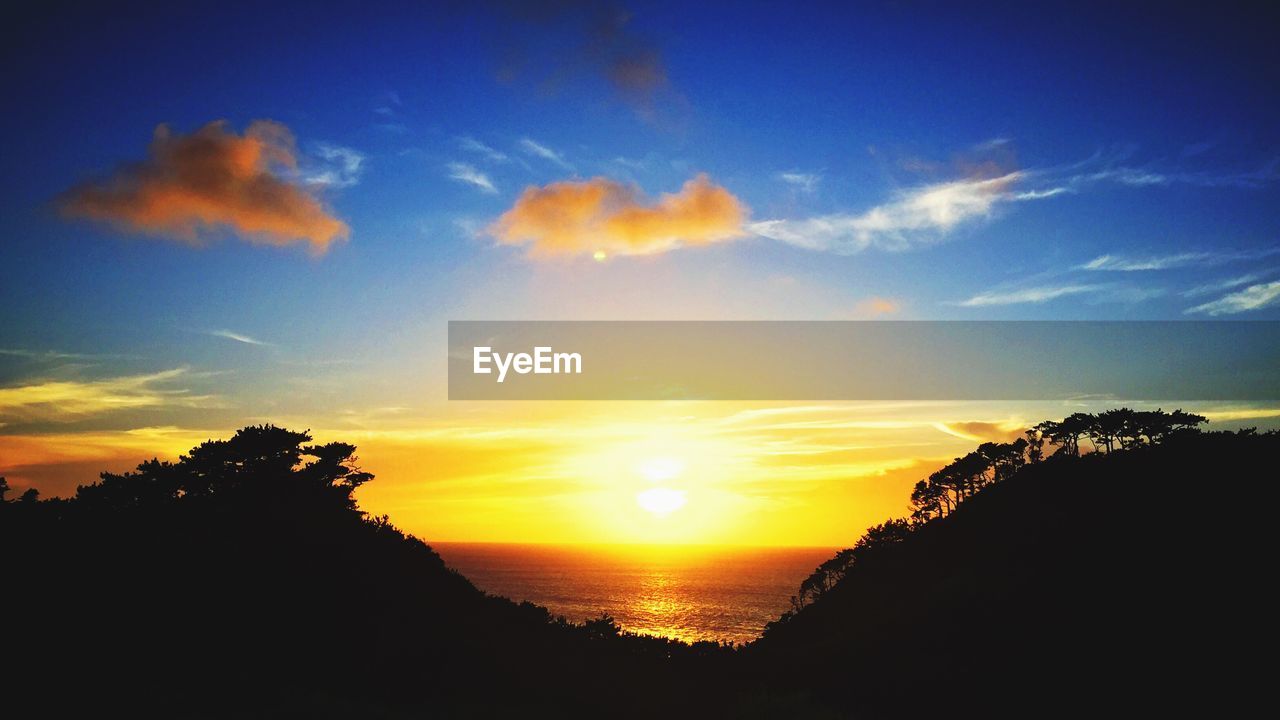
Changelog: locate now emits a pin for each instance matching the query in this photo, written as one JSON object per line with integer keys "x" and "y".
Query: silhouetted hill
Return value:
{"x": 1126, "y": 583}
{"x": 243, "y": 582}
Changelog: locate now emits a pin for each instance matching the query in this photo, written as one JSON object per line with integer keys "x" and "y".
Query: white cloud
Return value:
{"x": 1223, "y": 285}
{"x": 1027, "y": 295}
{"x": 334, "y": 166}
{"x": 992, "y": 144}
{"x": 914, "y": 217}
{"x": 471, "y": 144}
{"x": 926, "y": 214}
{"x": 1144, "y": 177}
{"x": 1041, "y": 194}
{"x": 462, "y": 172}
{"x": 808, "y": 182}
{"x": 1254, "y": 297}
{"x": 238, "y": 337}
{"x": 539, "y": 150}
{"x": 1120, "y": 263}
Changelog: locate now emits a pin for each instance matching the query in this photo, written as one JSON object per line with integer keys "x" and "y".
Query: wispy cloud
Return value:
{"x": 212, "y": 179}
{"x": 45, "y": 354}
{"x": 1041, "y": 194}
{"x": 68, "y": 400}
{"x": 238, "y": 337}
{"x": 1027, "y": 295}
{"x": 1258, "y": 177}
{"x": 994, "y": 143}
{"x": 1117, "y": 263}
{"x": 1101, "y": 169}
{"x": 807, "y": 182}
{"x": 473, "y": 145}
{"x": 914, "y": 217}
{"x": 464, "y": 173}
{"x": 333, "y": 166}
{"x": 1121, "y": 263}
{"x": 537, "y": 149}
{"x": 928, "y": 213}
{"x": 1254, "y": 297}
{"x": 1223, "y": 285}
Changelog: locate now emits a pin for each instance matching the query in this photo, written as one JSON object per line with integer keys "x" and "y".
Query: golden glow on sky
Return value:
{"x": 615, "y": 473}
{"x": 661, "y": 501}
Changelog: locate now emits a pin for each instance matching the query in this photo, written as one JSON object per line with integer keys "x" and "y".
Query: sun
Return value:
{"x": 661, "y": 469}
{"x": 661, "y": 501}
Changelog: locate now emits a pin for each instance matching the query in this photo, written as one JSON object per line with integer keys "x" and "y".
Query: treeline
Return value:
{"x": 245, "y": 575}
{"x": 993, "y": 462}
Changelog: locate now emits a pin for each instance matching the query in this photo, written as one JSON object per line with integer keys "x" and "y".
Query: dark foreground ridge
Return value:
{"x": 243, "y": 581}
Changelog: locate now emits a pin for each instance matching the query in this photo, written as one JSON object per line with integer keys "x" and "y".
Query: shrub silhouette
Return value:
{"x": 1112, "y": 582}
{"x": 244, "y": 575}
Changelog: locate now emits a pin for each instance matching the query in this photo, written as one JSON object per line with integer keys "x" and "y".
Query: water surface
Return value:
{"x": 700, "y": 593}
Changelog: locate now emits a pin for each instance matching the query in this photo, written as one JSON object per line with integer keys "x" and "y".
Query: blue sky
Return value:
{"x": 910, "y": 160}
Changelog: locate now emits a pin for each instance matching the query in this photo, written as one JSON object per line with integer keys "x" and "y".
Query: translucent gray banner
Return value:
{"x": 872, "y": 360}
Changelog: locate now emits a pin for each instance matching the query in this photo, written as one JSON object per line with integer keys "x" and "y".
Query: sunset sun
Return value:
{"x": 661, "y": 501}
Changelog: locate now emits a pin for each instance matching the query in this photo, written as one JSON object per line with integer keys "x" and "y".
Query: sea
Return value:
{"x": 688, "y": 593}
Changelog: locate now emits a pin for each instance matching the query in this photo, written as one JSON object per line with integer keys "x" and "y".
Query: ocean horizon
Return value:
{"x": 687, "y": 592}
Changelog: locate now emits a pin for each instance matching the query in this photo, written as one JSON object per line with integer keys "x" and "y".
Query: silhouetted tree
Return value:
{"x": 831, "y": 572}
{"x": 1035, "y": 445}
{"x": 602, "y": 627}
{"x": 992, "y": 462}
{"x": 1067, "y": 433}
{"x": 262, "y": 461}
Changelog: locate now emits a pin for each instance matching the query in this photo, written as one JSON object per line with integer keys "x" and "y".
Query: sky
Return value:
{"x": 217, "y": 216}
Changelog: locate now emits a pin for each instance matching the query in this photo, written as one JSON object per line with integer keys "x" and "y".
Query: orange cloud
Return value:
{"x": 212, "y": 178}
{"x": 603, "y": 216}
{"x": 878, "y": 306}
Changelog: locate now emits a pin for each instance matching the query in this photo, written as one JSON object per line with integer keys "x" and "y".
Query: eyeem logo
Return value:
{"x": 543, "y": 361}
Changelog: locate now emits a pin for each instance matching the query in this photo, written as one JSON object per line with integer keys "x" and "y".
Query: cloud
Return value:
{"x": 873, "y": 306}
{"x": 470, "y": 144}
{"x": 1041, "y": 194}
{"x": 1254, "y": 297}
{"x": 191, "y": 185}
{"x": 1223, "y": 285}
{"x": 602, "y": 215}
{"x": 50, "y": 355}
{"x": 1262, "y": 176}
{"x": 334, "y": 166}
{"x": 1120, "y": 263}
{"x": 68, "y": 400}
{"x": 462, "y": 172}
{"x": 994, "y": 143}
{"x": 807, "y": 182}
{"x": 238, "y": 337}
{"x": 978, "y": 431}
{"x": 537, "y": 149}
{"x": 555, "y": 41}
{"x": 914, "y": 217}
{"x": 1027, "y": 295}
{"x": 927, "y": 213}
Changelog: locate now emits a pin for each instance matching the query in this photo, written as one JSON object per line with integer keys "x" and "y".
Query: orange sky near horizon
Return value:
{"x": 618, "y": 473}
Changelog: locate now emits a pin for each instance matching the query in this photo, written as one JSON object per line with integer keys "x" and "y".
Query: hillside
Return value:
{"x": 242, "y": 581}
{"x": 1109, "y": 584}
